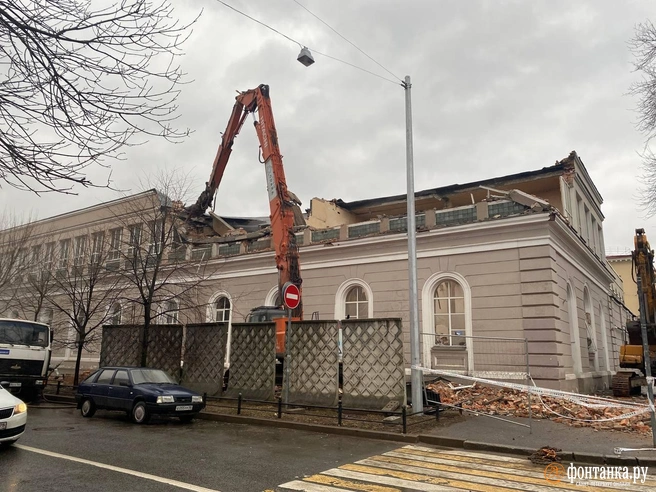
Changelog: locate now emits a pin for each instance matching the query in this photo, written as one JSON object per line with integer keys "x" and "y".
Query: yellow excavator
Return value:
{"x": 625, "y": 383}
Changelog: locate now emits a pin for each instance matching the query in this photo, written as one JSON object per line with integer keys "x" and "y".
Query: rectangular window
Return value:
{"x": 115, "y": 237}
{"x": 580, "y": 215}
{"x": 49, "y": 257}
{"x": 80, "y": 250}
{"x": 135, "y": 240}
{"x": 35, "y": 260}
{"x": 97, "y": 239}
{"x": 155, "y": 232}
{"x": 64, "y": 253}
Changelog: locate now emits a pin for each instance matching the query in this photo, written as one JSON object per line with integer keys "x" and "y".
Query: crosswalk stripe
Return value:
{"x": 420, "y": 468}
{"x": 431, "y": 476}
{"x": 339, "y": 482}
{"x": 517, "y": 478}
{"x": 433, "y": 463}
{"x": 391, "y": 481}
{"x": 461, "y": 480}
{"x": 311, "y": 487}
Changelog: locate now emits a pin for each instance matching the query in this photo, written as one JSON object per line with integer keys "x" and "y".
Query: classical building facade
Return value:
{"x": 518, "y": 257}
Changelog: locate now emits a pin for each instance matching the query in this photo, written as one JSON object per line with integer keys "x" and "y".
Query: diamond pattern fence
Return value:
{"x": 311, "y": 372}
{"x": 372, "y": 363}
{"x": 204, "y": 357}
{"x": 165, "y": 348}
{"x": 121, "y": 345}
{"x": 252, "y": 361}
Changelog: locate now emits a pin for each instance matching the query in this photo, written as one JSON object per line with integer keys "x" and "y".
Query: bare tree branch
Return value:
{"x": 80, "y": 82}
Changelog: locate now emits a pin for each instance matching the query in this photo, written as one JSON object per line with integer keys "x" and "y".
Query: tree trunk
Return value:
{"x": 144, "y": 335}
{"x": 78, "y": 358}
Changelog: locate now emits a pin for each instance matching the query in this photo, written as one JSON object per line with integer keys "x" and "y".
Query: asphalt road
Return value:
{"x": 62, "y": 451}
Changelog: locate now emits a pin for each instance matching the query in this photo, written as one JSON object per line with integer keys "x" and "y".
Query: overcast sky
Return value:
{"x": 499, "y": 87}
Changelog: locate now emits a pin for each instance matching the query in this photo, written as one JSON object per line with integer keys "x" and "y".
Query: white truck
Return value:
{"x": 25, "y": 350}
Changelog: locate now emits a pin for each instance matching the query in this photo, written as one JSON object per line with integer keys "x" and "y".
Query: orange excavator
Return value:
{"x": 632, "y": 355}
{"x": 283, "y": 204}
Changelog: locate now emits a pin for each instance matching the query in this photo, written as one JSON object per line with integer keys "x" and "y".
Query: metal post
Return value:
{"x": 416, "y": 374}
{"x": 239, "y": 404}
{"x": 647, "y": 360}
{"x": 528, "y": 389}
{"x": 287, "y": 357}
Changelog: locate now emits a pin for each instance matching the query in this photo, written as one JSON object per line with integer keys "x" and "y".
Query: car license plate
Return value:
{"x": 3, "y": 425}
{"x": 182, "y": 408}
{"x": 14, "y": 385}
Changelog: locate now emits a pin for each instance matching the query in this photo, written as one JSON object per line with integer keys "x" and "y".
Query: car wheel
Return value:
{"x": 140, "y": 414}
{"x": 88, "y": 408}
{"x": 185, "y": 419}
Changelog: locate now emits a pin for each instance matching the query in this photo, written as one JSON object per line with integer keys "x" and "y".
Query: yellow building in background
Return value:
{"x": 623, "y": 266}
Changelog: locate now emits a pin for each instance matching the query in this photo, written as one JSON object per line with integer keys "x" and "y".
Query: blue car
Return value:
{"x": 138, "y": 391}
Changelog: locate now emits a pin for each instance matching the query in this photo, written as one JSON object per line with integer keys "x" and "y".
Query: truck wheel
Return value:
{"x": 140, "y": 414}
{"x": 88, "y": 408}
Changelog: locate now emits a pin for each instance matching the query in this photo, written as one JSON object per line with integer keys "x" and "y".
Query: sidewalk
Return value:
{"x": 576, "y": 440}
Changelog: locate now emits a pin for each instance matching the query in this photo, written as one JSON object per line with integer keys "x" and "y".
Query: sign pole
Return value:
{"x": 287, "y": 356}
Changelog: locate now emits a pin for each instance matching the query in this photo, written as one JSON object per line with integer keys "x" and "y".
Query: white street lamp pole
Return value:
{"x": 416, "y": 374}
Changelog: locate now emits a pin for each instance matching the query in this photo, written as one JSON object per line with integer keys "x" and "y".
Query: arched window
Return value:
{"x": 604, "y": 337}
{"x": 222, "y": 309}
{"x": 273, "y": 297}
{"x": 449, "y": 313}
{"x": 356, "y": 304}
{"x": 115, "y": 312}
{"x": 574, "y": 330}
{"x": 354, "y": 300}
{"x": 447, "y": 321}
{"x": 170, "y": 312}
{"x": 591, "y": 329}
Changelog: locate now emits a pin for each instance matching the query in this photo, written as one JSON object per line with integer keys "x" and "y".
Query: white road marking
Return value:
{"x": 118, "y": 469}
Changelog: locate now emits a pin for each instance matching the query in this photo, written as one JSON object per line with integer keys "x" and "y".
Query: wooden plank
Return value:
{"x": 458, "y": 480}
{"x": 309, "y": 487}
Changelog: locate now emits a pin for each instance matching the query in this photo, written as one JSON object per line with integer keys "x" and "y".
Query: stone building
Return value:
{"x": 518, "y": 256}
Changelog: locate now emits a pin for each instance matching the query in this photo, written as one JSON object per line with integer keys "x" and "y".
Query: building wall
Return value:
{"x": 623, "y": 265}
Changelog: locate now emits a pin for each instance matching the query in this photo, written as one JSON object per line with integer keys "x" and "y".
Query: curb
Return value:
{"x": 447, "y": 442}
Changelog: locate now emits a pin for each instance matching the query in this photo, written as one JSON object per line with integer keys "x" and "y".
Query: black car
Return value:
{"x": 139, "y": 391}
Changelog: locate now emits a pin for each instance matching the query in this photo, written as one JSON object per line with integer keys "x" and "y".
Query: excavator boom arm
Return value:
{"x": 281, "y": 204}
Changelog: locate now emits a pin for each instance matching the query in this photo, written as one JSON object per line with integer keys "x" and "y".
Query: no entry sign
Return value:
{"x": 291, "y": 295}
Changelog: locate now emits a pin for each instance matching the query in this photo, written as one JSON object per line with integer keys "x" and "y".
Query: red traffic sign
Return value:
{"x": 291, "y": 295}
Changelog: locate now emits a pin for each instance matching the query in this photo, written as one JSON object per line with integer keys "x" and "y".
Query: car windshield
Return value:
{"x": 140, "y": 376}
{"x": 16, "y": 332}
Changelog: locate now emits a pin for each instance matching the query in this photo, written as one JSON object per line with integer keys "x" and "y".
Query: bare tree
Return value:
{"x": 643, "y": 47}
{"x": 80, "y": 80}
{"x": 15, "y": 237}
{"x": 84, "y": 291}
{"x": 36, "y": 282}
{"x": 160, "y": 273}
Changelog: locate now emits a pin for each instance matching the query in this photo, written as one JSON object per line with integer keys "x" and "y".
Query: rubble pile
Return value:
{"x": 512, "y": 403}
{"x": 545, "y": 455}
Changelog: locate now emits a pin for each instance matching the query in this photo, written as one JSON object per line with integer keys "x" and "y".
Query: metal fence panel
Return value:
{"x": 311, "y": 373}
{"x": 252, "y": 361}
{"x": 121, "y": 345}
{"x": 499, "y": 358}
{"x": 165, "y": 348}
{"x": 204, "y": 357}
{"x": 373, "y": 364}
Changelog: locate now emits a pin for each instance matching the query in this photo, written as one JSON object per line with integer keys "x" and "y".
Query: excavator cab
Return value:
{"x": 279, "y": 315}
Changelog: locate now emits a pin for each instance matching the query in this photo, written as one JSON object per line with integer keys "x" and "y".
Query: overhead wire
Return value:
{"x": 344, "y": 38}
{"x": 395, "y": 82}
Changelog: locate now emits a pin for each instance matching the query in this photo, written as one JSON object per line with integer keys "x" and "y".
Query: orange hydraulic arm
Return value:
{"x": 280, "y": 201}
{"x": 643, "y": 263}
